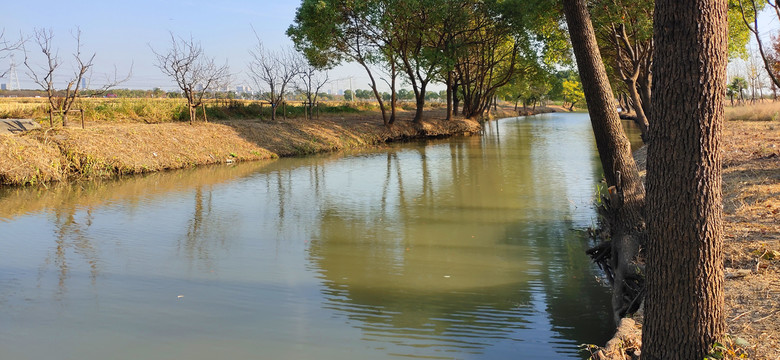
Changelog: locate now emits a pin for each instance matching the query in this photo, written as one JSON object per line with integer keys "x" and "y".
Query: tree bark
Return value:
{"x": 640, "y": 119}
{"x": 684, "y": 303}
{"x": 626, "y": 210}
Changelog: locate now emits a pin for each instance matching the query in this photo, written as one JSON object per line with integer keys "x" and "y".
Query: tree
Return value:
{"x": 328, "y": 31}
{"x": 737, "y": 86}
{"x": 311, "y": 82}
{"x": 626, "y": 205}
{"x": 275, "y": 70}
{"x": 572, "y": 93}
{"x": 684, "y": 301}
{"x": 192, "y": 70}
{"x": 749, "y": 10}
{"x": 44, "y": 76}
{"x": 349, "y": 95}
{"x": 625, "y": 31}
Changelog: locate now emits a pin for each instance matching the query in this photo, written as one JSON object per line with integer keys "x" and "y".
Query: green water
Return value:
{"x": 465, "y": 248}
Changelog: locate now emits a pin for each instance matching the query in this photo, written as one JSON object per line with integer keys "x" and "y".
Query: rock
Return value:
{"x": 740, "y": 342}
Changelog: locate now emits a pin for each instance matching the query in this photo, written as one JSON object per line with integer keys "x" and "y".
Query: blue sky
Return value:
{"x": 121, "y": 33}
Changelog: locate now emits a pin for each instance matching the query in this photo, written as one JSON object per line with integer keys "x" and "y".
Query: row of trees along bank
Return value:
{"x": 473, "y": 47}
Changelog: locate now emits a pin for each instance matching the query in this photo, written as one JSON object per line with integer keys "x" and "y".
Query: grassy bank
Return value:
{"x": 106, "y": 149}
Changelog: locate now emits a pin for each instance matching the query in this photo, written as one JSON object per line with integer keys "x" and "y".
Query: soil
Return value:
{"x": 751, "y": 201}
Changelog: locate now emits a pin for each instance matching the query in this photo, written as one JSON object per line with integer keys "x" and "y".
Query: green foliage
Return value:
{"x": 730, "y": 348}
{"x": 426, "y": 40}
{"x": 739, "y": 35}
{"x": 572, "y": 92}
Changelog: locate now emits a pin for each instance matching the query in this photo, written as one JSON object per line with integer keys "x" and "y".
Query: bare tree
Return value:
{"x": 44, "y": 76}
{"x": 749, "y": 9}
{"x": 275, "y": 70}
{"x": 311, "y": 80}
{"x": 193, "y": 71}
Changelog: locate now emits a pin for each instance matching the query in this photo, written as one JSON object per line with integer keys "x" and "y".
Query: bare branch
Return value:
{"x": 194, "y": 73}
{"x": 275, "y": 70}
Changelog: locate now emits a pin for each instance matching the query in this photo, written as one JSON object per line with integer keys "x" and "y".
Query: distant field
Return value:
{"x": 151, "y": 110}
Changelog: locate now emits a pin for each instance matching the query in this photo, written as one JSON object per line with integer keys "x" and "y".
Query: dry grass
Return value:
{"x": 161, "y": 110}
{"x": 110, "y": 149}
{"x": 25, "y": 160}
{"x": 751, "y": 200}
{"x": 751, "y": 190}
{"x": 762, "y": 111}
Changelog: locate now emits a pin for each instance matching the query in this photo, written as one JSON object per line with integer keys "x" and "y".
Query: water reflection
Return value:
{"x": 72, "y": 240}
{"x": 446, "y": 249}
{"x": 461, "y": 263}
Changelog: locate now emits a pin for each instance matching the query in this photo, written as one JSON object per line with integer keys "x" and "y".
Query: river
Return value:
{"x": 464, "y": 248}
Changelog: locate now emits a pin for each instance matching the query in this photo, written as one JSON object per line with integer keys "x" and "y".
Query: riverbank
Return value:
{"x": 111, "y": 149}
{"x": 134, "y": 146}
{"x": 751, "y": 201}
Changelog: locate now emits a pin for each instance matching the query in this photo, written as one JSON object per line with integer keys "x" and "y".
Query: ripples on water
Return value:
{"x": 462, "y": 248}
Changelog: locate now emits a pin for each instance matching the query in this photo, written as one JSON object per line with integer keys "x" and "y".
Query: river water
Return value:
{"x": 465, "y": 248}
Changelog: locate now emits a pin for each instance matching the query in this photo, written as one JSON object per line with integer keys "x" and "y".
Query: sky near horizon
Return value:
{"x": 122, "y": 33}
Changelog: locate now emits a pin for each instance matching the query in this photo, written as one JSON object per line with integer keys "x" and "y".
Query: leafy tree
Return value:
{"x": 572, "y": 93}
{"x": 349, "y": 95}
{"x": 737, "y": 86}
{"x": 625, "y": 32}
{"x": 329, "y": 31}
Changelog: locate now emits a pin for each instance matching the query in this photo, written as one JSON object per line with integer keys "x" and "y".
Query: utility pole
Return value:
{"x": 351, "y": 91}
{"x": 14, "y": 77}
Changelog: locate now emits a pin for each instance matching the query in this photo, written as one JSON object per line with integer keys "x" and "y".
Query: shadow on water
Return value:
{"x": 483, "y": 260}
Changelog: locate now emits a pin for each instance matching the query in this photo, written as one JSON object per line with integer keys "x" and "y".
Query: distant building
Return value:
{"x": 3, "y": 86}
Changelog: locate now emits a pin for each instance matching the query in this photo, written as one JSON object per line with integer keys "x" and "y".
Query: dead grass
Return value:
{"x": 110, "y": 149}
{"x": 761, "y": 111}
{"x": 751, "y": 200}
{"x": 751, "y": 192}
{"x": 25, "y": 160}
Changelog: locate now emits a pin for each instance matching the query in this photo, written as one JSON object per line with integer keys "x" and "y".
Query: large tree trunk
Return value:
{"x": 626, "y": 210}
{"x": 684, "y": 306}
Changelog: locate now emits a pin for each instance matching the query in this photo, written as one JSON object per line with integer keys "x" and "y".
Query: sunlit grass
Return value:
{"x": 763, "y": 111}
{"x": 148, "y": 110}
